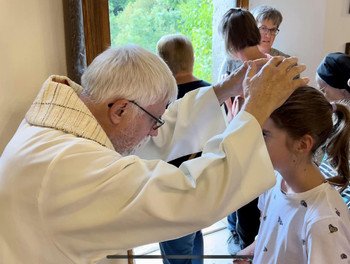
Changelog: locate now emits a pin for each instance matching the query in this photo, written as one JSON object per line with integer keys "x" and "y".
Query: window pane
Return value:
{"x": 144, "y": 22}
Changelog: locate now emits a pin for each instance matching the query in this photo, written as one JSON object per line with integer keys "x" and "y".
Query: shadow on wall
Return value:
{"x": 10, "y": 125}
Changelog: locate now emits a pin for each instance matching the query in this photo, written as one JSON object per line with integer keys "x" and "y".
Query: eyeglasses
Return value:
{"x": 159, "y": 121}
{"x": 265, "y": 30}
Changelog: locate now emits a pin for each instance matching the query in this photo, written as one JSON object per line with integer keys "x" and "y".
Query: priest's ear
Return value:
{"x": 117, "y": 110}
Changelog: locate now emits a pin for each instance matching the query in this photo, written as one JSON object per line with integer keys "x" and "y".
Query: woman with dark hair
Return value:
{"x": 242, "y": 37}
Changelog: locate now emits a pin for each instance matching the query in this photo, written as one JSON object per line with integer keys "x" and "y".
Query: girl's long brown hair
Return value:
{"x": 307, "y": 111}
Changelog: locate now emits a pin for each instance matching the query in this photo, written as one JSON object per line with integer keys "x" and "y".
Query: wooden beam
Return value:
{"x": 243, "y": 4}
{"x": 96, "y": 27}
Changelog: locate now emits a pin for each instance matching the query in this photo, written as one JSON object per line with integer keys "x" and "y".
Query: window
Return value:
{"x": 97, "y": 28}
{"x": 144, "y": 22}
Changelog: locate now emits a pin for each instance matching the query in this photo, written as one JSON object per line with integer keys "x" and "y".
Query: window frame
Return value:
{"x": 96, "y": 27}
{"x": 243, "y": 4}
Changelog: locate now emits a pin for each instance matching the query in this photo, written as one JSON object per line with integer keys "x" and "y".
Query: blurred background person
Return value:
{"x": 177, "y": 51}
{"x": 241, "y": 37}
{"x": 268, "y": 21}
{"x": 333, "y": 79}
{"x": 333, "y": 76}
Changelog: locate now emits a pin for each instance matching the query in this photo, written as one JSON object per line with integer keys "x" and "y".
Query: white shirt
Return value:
{"x": 311, "y": 227}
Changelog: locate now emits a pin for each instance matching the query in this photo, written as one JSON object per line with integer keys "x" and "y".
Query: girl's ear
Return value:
{"x": 305, "y": 144}
{"x": 117, "y": 111}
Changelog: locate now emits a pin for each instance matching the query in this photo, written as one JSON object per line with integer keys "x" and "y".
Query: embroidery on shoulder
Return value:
{"x": 343, "y": 256}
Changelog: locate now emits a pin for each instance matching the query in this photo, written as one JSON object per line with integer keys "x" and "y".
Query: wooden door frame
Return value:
{"x": 243, "y": 4}
{"x": 96, "y": 27}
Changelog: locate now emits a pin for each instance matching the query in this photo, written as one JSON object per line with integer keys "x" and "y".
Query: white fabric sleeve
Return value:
{"x": 189, "y": 123}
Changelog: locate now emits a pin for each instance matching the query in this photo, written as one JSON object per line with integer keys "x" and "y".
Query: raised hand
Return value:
{"x": 269, "y": 88}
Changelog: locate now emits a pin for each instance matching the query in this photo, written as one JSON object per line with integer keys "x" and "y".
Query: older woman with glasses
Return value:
{"x": 268, "y": 20}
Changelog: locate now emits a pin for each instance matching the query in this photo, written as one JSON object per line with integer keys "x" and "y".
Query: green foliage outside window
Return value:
{"x": 144, "y": 22}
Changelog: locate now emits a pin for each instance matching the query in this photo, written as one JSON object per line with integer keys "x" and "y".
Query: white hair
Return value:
{"x": 129, "y": 72}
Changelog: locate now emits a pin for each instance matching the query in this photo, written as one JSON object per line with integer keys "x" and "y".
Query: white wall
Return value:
{"x": 220, "y": 8}
{"x": 311, "y": 29}
{"x": 31, "y": 48}
{"x": 337, "y": 26}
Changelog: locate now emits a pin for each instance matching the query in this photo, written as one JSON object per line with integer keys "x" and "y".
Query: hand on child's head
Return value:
{"x": 267, "y": 89}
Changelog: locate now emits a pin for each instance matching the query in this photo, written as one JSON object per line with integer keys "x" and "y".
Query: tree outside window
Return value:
{"x": 144, "y": 22}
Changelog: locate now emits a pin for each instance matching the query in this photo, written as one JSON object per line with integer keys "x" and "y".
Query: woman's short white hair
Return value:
{"x": 129, "y": 72}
